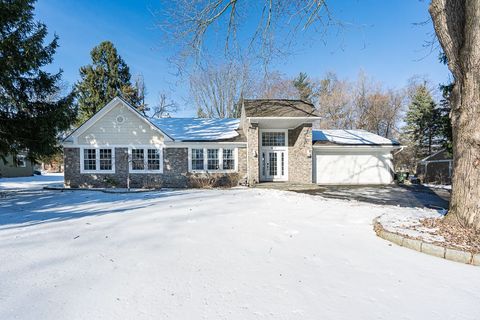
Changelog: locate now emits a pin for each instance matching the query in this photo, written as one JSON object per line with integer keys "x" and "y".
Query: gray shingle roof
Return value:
{"x": 278, "y": 108}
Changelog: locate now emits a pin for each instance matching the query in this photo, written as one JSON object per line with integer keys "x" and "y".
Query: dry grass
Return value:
{"x": 456, "y": 236}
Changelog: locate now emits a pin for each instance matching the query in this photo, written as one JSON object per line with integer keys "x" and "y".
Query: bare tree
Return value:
{"x": 164, "y": 107}
{"x": 334, "y": 103}
{"x": 456, "y": 24}
{"x": 217, "y": 89}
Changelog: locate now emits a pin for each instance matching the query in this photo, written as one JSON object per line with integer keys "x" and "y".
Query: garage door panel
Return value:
{"x": 344, "y": 168}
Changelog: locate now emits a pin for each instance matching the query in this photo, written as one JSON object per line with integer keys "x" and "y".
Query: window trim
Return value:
{"x": 97, "y": 160}
{"x": 145, "y": 159}
{"x": 220, "y": 159}
{"x": 23, "y": 159}
{"x": 260, "y": 138}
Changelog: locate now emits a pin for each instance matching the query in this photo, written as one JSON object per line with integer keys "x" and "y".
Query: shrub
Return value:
{"x": 208, "y": 180}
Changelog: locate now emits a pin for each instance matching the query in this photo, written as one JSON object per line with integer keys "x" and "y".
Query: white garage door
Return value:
{"x": 352, "y": 167}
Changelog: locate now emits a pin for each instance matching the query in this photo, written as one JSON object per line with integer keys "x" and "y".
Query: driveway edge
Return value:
{"x": 427, "y": 247}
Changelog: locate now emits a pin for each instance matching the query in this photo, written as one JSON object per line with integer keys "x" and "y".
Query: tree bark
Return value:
{"x": 457, "y": 25}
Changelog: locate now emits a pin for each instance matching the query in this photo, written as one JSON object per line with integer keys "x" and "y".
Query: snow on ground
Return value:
{"x": 32, "y": 182}
{"x": 438, "y": 186}
{"x": 216, "y": 254}
{"x": 408, "y": 223}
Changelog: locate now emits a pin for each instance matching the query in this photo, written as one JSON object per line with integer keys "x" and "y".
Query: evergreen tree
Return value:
{"x": 33, "y": 113}
{"x": 444, "y": 118}
{"x": 303, "y": 86}
{"x": 107, "y": 77}
{"x": 423, "y": 126}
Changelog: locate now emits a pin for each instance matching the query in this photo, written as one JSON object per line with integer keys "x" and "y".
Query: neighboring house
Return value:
{"x": 272, "y": 141}
{"x": 436, "y": 168}
{"x": 16, "y": 166}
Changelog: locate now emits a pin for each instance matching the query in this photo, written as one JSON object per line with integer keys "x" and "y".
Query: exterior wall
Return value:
{"x": 10, "y": 169}
{"x": 252, "y": 134}
{"x": 300, "y": 154}
{"x": 175, "y": 171}
{"x": 106, "y": 131}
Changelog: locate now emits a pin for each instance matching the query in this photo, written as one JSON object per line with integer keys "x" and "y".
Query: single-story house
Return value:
{"x": 273, "y": 140}
{"x": 436, "y": 168}
{"x": 16, "y": 166}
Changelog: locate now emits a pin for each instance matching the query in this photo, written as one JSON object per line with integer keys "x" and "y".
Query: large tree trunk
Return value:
{"x": 457, "y": 25}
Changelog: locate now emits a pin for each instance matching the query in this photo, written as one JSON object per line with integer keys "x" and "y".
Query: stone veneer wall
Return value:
{"x": 252, "y": 134}
{"x": 175, "y": 171}
{"x": 300, "y": 154}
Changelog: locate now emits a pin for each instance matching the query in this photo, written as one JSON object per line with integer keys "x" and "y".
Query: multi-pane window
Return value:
{"x": 197, "y": 159}
{"x": 273, "y": 139}
{"x": 228, "y": 159}
{"x": 105, "y": 159}
{"x": 89, "y": 159}
{"x": 21, "y": 161}
{"x": 98, "y": 159}
{"x": 212, "y": 159}
{"x": 138, "y": 160}
{"x": 153, "y": 159}
{"x": 146, "y": 160}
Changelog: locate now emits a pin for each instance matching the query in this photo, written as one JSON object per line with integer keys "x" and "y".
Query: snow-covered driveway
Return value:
{"x": 217, "y": 254}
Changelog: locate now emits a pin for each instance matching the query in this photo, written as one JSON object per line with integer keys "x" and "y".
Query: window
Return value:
{"x": 144, "y": 160}
{"x": 273, "y": 139}
{"x": 138, "y": 161}
{"x": 212, "y": 159}
{"x": 89, "y": 159}
{"x": 105, "y": 159}
{"x": 228, "y": 159}
{"x": 153, "y": 159}
{"x": 197, "y": 159}
{"x": 21, "y": 161}
{"x": 99, "y": 160}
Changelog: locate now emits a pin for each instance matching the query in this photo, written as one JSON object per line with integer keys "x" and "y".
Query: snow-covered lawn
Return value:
{"x": 216, "y": 254}
{"x": 33, "y": 182}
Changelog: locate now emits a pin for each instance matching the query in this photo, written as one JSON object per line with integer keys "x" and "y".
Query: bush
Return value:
{"x": 208, "y": 180}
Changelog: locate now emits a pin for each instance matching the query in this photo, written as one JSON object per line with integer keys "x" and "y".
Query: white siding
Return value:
{"x": 353, "y": 167}
{"x": 133, "y": 131}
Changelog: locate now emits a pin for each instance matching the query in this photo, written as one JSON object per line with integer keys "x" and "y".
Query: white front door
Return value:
{"x": 273, "y": 165}
{"x": 273, "y": 155}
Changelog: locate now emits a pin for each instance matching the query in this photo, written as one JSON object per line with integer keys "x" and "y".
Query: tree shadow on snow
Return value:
{"x": 33, "y": 207}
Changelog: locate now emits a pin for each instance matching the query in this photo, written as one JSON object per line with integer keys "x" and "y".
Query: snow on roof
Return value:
{"x": 198, "y": 129}
{"x": 352, "y": 137}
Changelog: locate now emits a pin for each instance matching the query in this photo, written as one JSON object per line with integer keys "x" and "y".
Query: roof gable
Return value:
{"x": 107, "y": 108}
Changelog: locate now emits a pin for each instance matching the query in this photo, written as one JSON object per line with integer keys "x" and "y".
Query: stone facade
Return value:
{"x": 175, "y": 171}
{"x": 252, "y": 133}
{"x": 300, "y": 154}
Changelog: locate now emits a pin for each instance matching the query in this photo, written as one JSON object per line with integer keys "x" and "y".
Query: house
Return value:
{"x": 436, "y": 168}
{"x": 272, "y": 141}
{"x": 16, "y": 166}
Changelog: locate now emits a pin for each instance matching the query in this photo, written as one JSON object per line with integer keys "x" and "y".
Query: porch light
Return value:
{"x": 309, "y": 153}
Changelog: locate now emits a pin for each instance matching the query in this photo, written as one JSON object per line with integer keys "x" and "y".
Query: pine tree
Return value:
{"x": 33, "y": 112}
{"x": 107, "y": 77}
{"x": 423, "y": 122}
{"x": 303, "y": 86}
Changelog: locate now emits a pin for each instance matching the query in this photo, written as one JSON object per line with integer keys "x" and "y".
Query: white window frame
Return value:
{"x": 145, "y": 159}
{"x": 97, "y": 160}
{"x": 21, "y": 161}
{"x": 220, "y": 159}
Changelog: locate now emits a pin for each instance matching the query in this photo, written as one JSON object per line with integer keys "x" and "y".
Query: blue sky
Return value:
{"x": 382, "y": 37}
